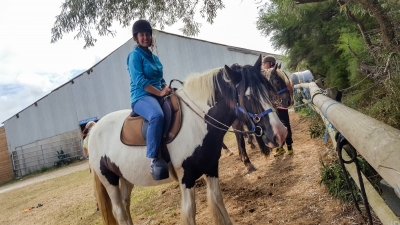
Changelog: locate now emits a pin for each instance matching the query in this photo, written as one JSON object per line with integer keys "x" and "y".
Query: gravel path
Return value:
{"x": 57, "y": 173}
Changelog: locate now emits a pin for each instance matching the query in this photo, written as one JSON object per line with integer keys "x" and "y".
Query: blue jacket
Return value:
{"x": 144, "y": 68}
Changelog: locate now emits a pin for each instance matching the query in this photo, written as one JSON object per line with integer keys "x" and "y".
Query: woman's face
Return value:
{"x": 144, "y": 39}
{"x": 266, "y": 65}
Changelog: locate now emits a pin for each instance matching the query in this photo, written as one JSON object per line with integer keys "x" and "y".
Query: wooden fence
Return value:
{"x": 377, "y": 142}
{"x": 6, "y": 172}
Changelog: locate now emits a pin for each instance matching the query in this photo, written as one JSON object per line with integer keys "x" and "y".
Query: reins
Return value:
{"x": 253, "y": 117}
{"x": 203, "y": 117}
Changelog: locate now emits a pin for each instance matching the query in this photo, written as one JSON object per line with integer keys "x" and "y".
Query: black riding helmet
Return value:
{"x": 141, "y": 25}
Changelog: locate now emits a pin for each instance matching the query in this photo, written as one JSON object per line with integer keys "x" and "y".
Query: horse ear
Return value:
{"x": 258, "y": 63}
{"x": 275, "y": 68}
{"x": 280, "y": 64}
{"x": 234, "y": 76}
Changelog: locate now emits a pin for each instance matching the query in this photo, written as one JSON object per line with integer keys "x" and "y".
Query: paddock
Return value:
{"x": 283, "y": 190}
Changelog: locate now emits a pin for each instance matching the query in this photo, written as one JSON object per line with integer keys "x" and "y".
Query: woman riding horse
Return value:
{"x": 210, "y": 104}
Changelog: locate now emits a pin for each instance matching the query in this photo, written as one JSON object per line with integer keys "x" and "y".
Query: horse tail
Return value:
{"x": 104, "y": 201}
{"x": 86, "y": 131}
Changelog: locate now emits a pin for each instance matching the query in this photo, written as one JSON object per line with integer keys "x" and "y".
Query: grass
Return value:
{"x": 332, "y": 175}
{"x": 43, "y": 170}
{"x": 248, "y": 197}
{"x": 56, "y": 194}
{"x": 317, "y": 127}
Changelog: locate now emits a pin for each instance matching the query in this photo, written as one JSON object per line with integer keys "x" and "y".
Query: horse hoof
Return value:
{"x": 251, "y": 168}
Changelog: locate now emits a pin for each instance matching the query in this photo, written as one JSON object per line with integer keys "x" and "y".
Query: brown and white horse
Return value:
{"x": 214, "y": 100}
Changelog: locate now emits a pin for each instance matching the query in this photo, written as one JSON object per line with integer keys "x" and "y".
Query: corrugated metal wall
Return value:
{"x": 106, "y": 88}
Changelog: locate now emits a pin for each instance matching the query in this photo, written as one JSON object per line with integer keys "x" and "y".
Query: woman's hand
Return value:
{"x": 165, "y": 91}
{"x": 152, "y": 90}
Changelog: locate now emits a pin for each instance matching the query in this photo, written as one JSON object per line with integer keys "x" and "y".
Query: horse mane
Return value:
{"x": 260, "y": 86}
{"x": 281, "y": 74}
{"x": 201, "y": 85}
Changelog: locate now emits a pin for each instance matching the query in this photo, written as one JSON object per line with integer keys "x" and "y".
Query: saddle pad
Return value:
{"x": 134, "y": 129}
{"x": 131, "y": 133}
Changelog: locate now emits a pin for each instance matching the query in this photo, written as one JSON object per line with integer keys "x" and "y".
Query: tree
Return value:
{"x": 299, "y": 25}
{"x": 309, "y": 33}
{"x": 85, "y": 15}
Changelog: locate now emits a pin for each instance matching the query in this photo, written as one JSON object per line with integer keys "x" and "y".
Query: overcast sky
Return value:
{"x": 31, "y": 67}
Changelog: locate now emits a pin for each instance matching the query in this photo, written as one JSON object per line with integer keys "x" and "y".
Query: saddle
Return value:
{"x": 134, "y": 129}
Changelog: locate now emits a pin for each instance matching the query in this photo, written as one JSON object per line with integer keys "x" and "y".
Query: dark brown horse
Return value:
{"x": 283, "y": 97}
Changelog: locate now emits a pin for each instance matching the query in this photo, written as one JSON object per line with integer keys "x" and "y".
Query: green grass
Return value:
{"x": 70, "y": 200}
{"x": 42, "y": 171}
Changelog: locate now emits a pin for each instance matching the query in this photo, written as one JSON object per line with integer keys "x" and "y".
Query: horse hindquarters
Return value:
{"x": 103, "y": 201}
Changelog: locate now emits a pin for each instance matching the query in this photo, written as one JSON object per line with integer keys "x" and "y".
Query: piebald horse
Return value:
{"x": 210, "y": 103}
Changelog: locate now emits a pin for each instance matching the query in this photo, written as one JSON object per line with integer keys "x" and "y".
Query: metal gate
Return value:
{"x": 32, "y": 159}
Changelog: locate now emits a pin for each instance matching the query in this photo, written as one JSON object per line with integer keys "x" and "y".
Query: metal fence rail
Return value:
{"x": 31, "y": 159}
{"x": 365, "y": 134}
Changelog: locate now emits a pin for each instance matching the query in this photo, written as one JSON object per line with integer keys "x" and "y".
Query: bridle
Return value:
{"x": 254, "y": 118}
{"x": 278, "y": 102}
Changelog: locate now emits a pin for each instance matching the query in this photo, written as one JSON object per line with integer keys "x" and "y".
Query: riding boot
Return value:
{"x": 290, "y": 150}
{"x": 159, "y": 168}
{"x": 279, "y": 151}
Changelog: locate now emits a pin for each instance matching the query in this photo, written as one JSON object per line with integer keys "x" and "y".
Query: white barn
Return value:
{"x": 54, "y": 122}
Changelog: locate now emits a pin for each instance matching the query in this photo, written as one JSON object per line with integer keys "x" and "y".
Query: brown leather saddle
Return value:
{"x": 134, "y": 129}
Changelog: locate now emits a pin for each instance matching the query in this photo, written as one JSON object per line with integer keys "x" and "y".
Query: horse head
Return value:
{"x": 280, "y": 81}
{"x": 253, "y": 104}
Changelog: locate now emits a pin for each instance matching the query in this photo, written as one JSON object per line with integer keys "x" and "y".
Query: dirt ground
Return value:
{"x": 283, "y": 190}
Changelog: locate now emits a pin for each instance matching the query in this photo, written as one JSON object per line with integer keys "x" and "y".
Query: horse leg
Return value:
{"x": 118, "y": 209}
{"x": 243, "y": 154}
{"x": 216, "y": 203}
{"x": 188, "y": 205}
{"x": 226, "y": 149}
{"x": 126, "y": 190}
{"x": 265, "y": 150}
{"x": 250, "y": 141}
{"x": 242, "y": 148}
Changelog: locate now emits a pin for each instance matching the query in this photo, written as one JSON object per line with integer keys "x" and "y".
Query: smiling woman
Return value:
{"x": 61, "y": 58}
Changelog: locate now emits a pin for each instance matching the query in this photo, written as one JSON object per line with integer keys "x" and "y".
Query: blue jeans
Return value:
{"x": 149, "y": 108}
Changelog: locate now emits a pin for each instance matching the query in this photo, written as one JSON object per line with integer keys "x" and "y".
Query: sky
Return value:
{"x": 31, "y": 67}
